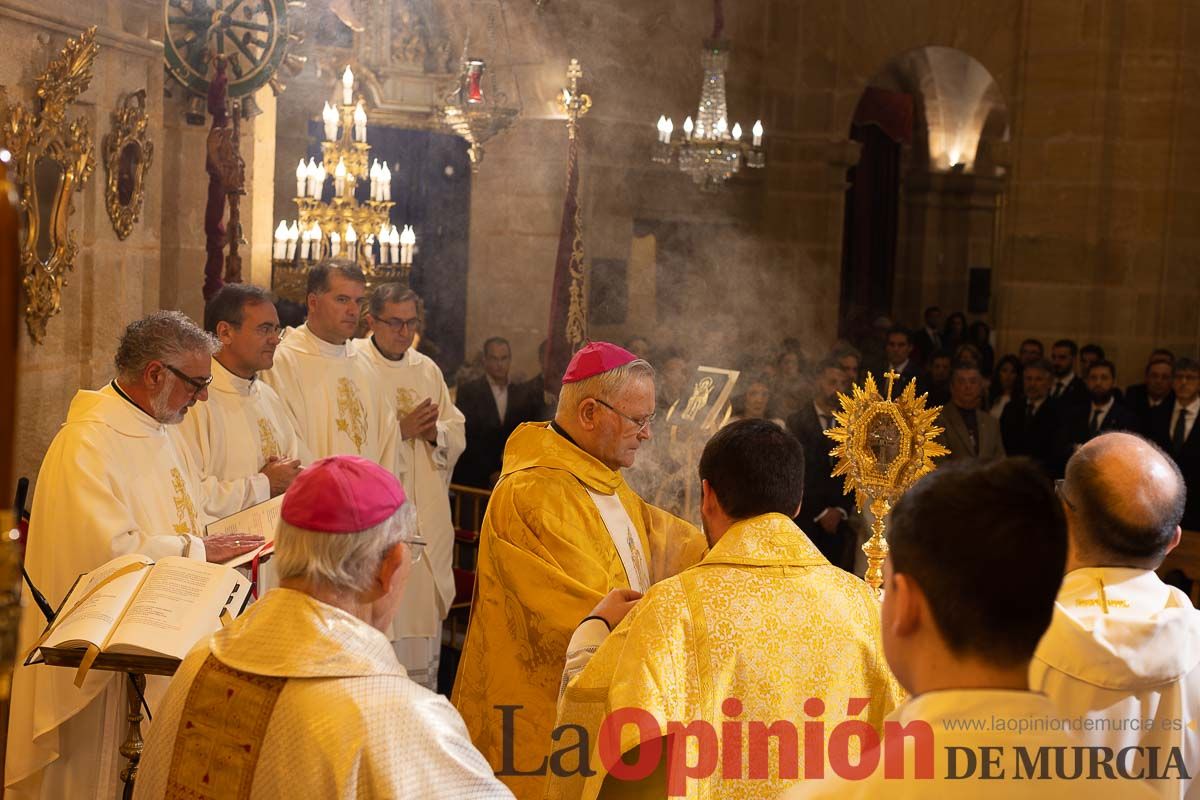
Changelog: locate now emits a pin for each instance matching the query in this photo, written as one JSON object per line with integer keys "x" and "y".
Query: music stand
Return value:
{"x": 136, "y": 668}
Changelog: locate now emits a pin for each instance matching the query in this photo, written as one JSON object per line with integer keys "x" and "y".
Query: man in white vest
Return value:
{"x": 1123, "y": 649}
{"x": 431, "y": 437}
{"x": 242, "y": 440}
{"x": 325, "y": 383}
{"x": 113, "y": 482}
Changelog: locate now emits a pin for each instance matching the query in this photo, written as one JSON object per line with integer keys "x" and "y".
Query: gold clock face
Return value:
{"x": 250, "y": 34}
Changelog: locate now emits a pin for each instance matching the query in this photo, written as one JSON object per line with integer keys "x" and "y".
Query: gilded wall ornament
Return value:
{"x": 883, "y": 446}
{"x": 52, "y": 158}
{"x": 128, "y": 152}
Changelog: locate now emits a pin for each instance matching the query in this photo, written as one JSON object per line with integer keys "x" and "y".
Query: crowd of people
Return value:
{"x": 610, "y": 639}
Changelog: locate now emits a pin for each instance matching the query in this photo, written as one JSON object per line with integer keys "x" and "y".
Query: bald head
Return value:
{"x": 1125, "y": 500}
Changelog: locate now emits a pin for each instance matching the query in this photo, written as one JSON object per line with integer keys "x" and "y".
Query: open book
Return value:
{"x": 261, "y": 519}
{"x": 134, "y": 606}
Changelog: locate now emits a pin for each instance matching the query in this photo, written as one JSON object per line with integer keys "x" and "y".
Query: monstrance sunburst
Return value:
{"x": 883, "y": 446}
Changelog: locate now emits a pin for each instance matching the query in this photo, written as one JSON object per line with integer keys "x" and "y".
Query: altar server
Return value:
{"x": 562, "y": 529}
{"x": 113, "y": 482}
{"x": 431, "y": 436}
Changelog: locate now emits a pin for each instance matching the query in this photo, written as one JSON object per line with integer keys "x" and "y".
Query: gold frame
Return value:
{"x": 856, "y": 460}
{"x": 129, "y": 126}
{"x": 31, "y": 136}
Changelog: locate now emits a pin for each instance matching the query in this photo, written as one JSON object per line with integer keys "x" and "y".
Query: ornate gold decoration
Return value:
{"x": 472, "y": 113}
{"x": 406, "y": 401}
{"x": 184, "y": 508}
{"x": 883, "y": 446}
{"x": 353, "y": 419}
{"x": 51, "y": 159}
{"x": 266, "y": 437}
{"x": 572, "y": 103}
{"x": 128, "y": 152}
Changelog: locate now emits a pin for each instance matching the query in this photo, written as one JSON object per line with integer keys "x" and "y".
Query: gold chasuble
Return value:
{"x": 546, "y": 558}
{"x": 749, "y": 659}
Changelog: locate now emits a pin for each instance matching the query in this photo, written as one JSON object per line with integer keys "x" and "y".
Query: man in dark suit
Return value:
{"x": 1029, "y": 424}
{"x": 539, "y": 403}
{"x": 1174, "y": 429}
{"x": 1068, "y": 388}
{"x": 493, "y": 408}
{"x": 1144, "y": 398}
{"x": 1103, "y": 413}
{"x": 1031, "y": 351}
{"x": 929, "y": 339}
{"x": 969, "y": 433}
{"x": 824, "y": 515}
{"x": 898, "y": 355}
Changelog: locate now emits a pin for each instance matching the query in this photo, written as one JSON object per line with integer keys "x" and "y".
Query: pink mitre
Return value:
{"x": 341, "y": 494}
{"x": 594, "y": 358}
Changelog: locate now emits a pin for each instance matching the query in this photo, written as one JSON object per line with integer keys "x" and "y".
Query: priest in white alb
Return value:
{"x": 113, "y": 482}
{"x": 326, "y": 385}
{"x": 302, "y": 696}
{"x": 242, "y": 440}
{"x": 431, "y": 437}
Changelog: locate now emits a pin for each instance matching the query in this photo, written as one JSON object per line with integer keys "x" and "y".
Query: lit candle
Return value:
{"x": 688, "y": 127}
{"x": 321, "y": 175}
{"x": 757, "y": 130}
{"x": 281, "y": 233}
{"x": 384, "y": 238}
{"x": 722, "y": 126}
{"x": 315, "y": 233}
{"x": 301, "y": 179}
{"x": 314, "y": 188}
{"x": 737, "y": 132}
{"x": 360, "y": 123}
{"x": 373, "y": 173}
{"x": 335, "y": 244}
{"x": 351, "y": 240}
{"x": 408, "y": 241}
{"x": 339, "y": 178}
{"x": 305, "y": 244}
{"x": 385, "y": 182}
{"x": 668, "y": 129}
{"x": 329, "y": 116}
{"x": 347, "y": 86}
{"x": 394, "y": 242}
{"x": 293, "y": 235}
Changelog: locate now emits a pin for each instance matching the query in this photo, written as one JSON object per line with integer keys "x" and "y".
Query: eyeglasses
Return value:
{"x": 198, "y": 384}
{"x": 416, "y": 546}
{"x": 642, "y": 424}
{"x": 398, "y": 325}
{"x": 1058, "y": 490}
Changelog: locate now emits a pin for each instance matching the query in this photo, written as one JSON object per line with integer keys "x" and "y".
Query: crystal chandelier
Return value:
{"x": 710, "y": 150}
{"x": 342, "y": 226}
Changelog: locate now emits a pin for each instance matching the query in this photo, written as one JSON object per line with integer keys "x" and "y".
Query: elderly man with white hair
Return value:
{"x": 303, "y": 695}
{"x": 562, "y": 530}
{"x": 112, "y": 483}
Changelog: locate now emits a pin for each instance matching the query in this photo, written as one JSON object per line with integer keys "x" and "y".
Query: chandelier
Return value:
{"x": 470, "y": 112}
{"x": 342, "y": 226}
{"x": 710, "y": 150}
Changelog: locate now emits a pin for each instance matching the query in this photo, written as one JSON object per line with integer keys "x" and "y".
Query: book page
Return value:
{"x": 178, "y": 605}
{"x": 91, "y": 621}
{"x": 257, "y": 520}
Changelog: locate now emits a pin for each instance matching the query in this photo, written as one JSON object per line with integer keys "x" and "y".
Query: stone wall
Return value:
{"x": 161, "y": 263}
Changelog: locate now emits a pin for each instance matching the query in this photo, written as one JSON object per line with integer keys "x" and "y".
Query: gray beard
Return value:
{"x": 159, "y": 407}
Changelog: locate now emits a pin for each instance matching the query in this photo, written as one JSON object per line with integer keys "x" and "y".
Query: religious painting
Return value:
{"x": 704, "y": 404}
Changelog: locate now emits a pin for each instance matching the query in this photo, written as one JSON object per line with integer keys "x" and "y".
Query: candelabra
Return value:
{"x": 342, "y": 226}
{"x": 710, "y": 150}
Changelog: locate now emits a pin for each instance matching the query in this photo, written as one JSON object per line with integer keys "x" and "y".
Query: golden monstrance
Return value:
{"x": 883, "y": 446}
